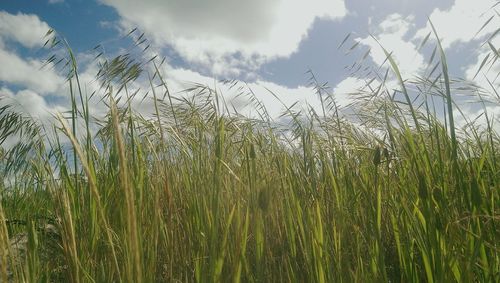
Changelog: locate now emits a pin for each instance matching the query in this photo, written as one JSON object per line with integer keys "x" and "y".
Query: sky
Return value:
{"x": 269, "y": 44}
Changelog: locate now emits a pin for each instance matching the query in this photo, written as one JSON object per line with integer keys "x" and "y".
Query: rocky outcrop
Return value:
{"x": 45, "y": 247}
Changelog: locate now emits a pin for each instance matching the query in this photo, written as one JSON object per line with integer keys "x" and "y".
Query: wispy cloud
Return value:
{"x": 56, "y": 1}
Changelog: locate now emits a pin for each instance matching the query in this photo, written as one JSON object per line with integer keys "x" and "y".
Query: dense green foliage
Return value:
{"x": 195, "y": 192}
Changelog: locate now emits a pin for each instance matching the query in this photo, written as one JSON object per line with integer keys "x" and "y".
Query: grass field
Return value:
{"x": 393, "y": 191}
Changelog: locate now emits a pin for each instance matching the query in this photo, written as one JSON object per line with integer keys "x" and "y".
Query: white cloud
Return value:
{"x": 28, "y": 73}
{"x": 30, "y": 103}
{"x": 391, "y": 34}
{"x": 28, "y": 31}
{"x": 227, "y": 34}
{"x": 471, "y": 112}
{"x": 488, "y": 72}
{"x": 56, "y": 1}
{"x": 305, "y": 96}
{"x": 462, "y": 21}
{"x": 179, "y": 79}
{"x": 346, "y": 88}
{"x": 25, "y": 29}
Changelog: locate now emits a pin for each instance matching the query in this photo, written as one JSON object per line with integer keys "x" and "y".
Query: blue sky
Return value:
{"x": 267, "y": 43}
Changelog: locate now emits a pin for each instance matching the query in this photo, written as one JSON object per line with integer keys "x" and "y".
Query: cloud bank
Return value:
{"x": 227, "y": 35}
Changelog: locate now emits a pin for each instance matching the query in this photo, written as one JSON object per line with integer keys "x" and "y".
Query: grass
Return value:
{"x": 195, "y": 192}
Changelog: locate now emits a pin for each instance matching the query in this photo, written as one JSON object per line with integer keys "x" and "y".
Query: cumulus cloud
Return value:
{"x": 392, "y": 33}
{"x": 27, "y": 30}
{"x": 462, "y": 21}
{"x": 480, "y": 73}
{"x": 304, "y": 97}
{"x": 28, "y": 73}
{"x": 488, "y": 72}
{"x": 225, "y": 34}
{"x": 472, "y": 112}
{"x": 346, "y": 88}
{"x": 29, "y": 102}
{"x": 180, "y": 79}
